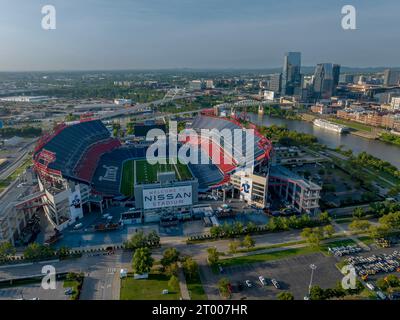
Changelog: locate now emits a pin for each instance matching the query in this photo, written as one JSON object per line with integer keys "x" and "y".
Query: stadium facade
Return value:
{"x": 80, "y": 166}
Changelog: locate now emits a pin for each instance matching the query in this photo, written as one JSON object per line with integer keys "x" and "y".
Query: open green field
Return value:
{"x": 351, "y": 124}
{"x": 195, "y": 288}
{"x": 147, "y": 289}
{"x": 147, "y": 173}
{"x": 128, "y": 174}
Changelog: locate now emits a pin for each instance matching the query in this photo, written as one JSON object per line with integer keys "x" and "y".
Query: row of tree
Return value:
{"x": 387, "y": 223}
{"x": 274, "y": 224}
{"x": 314, "y": 236}
{"x": 26, "y": 132}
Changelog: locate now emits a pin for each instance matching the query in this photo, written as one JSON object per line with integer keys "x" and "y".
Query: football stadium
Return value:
{"x": 82, "y": 167}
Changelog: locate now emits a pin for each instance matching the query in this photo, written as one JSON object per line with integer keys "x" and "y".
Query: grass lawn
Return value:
{"x": 128, "y": 174}
{"x": 147, "y": 173}
{"x": 74, "y": 285}
{"x": 147, "y": 289}
{"x": 351, "y": 124}
{"x": 196, "y": 288}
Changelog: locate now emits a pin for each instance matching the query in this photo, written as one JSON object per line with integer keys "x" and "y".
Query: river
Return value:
{"x": 379, "y": 149}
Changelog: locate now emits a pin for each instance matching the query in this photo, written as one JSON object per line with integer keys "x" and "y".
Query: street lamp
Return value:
{"x": 313, "y": 267}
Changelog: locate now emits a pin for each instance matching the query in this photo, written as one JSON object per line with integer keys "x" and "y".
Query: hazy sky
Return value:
{"x": 141, "y": 34}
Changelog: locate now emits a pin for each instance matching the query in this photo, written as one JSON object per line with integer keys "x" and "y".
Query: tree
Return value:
{"x": 35, "y": 251}
{"x": 391, "y": 220}
{"x": 251, "y": 227}
{"x": 213, "y": 256}
{"x": 285, "y": 296}
{"x": 172, "y": 269}
{"x": 173, "y": 283}
{"x": 6, "y": 250}
{"x": 359, "y": 225}
{"x": 328, "y": 231}
{"x": 130, "y": 128}
{"x": 317, "y": 293}
{"x": 190, "y": 267}
{"x": 237, "y": 227}
{"x": 392, "y": 280}
{"x": 138, "y": 240}
{"x": 142, "y": 261}
{"x": 216, "y": 231}
{"x": 394, "y": 191}
{"x": 313, "y": 236}
{"x": 248, "y": 242}
{"x": 233, "y": 246}
{"x": 153, "y": 237}
{"x": 223, "y": 287}
{"x": 170, "y": 256}
{"x": 358, "y": 213}
{"x": 324, "y": 217}
{"x": 377, "y": 232}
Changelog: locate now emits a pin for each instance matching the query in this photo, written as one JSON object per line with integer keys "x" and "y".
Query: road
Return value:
{"x": 20, "y": 157}
{"x": 102, "y": 271}
{"x": 134, "y": 109}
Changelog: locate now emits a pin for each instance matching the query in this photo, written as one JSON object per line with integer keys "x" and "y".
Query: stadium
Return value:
{"x": 81, "y": 166}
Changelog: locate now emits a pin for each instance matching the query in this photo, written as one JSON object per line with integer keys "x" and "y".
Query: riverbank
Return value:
{"x": 356, "y": 142}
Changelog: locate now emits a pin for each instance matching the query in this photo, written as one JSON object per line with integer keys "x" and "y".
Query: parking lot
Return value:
{"x": 33, "y": 291}
{"x": 292, "y": 274}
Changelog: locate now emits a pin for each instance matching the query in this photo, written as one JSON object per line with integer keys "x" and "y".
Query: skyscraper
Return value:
{"x": 324, "y": 80}
{"x": 391, "y": 77}
{"x": 275, "y": 83}
{"x": 336, "y": 76}
{"x": 291, "y": 78}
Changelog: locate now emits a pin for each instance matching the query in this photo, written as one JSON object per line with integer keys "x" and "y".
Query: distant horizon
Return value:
{"x": 199, "y": 69}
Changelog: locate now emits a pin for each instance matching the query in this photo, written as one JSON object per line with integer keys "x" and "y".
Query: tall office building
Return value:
{"x": 336, "y": 76}
{"x": 291, "y": 78}
{"x": 275, "y": 81}
{"x": 391, "y": 77}
{"x": 324, "y": 81}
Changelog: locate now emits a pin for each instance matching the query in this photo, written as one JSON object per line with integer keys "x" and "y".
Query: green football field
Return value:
{"x": 147, "y": 173}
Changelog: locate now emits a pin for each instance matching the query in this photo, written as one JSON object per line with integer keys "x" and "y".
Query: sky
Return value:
{"x": 204, "y": 34}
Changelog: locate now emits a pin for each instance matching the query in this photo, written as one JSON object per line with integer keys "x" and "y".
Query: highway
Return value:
{"x": 134, "y": 109}
{"x": 21, "y": 156}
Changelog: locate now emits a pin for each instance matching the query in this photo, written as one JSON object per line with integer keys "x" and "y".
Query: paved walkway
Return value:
{"x": 182, "y": 284}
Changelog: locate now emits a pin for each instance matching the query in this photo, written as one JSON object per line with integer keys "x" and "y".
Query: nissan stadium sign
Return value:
{"x": 167, "y": 197}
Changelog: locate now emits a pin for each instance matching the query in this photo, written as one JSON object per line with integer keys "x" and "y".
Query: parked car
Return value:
{"x": 370, "y": 286}
{"x": 275, "y": 284}
{"x": 78, "y": 226}
{"x": 68, "y": 291}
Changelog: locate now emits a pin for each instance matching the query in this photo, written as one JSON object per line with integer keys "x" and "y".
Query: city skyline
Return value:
{"x": 141, "y": 35}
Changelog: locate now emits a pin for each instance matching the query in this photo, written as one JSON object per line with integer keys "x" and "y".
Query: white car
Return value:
{"x": 78, "y": 226}
{"x": 262, "y": 280}
{"x": 275, "y": 283}
{"x": 249, "y": 284}
{"x": 370, "y": 286}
